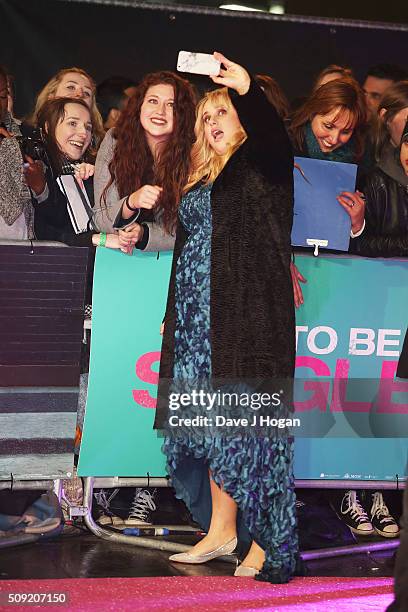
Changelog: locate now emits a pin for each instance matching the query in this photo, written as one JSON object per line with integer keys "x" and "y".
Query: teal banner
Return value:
{"x": 349, "y": 335}
{"x": 350, "y": 332}
{"x": 129, "y": 298}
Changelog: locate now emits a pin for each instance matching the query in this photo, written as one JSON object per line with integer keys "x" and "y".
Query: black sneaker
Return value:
{"x": 352, "y": 513}
{"x": 381, "y": 519}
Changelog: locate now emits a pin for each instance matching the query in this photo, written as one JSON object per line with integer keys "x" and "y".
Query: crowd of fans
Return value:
{"x": 129, "y": 178}
{"x": 339, "y": 121}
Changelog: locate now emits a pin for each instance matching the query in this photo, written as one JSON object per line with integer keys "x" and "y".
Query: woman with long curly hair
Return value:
{"x": 143, "y": 163}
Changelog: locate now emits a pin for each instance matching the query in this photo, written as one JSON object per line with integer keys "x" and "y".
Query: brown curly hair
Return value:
{"x": 133, "y": 164}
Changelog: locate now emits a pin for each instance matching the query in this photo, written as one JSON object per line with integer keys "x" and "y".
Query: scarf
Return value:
{"x": 345, "y": 153}
{"x": 15, "y": 197}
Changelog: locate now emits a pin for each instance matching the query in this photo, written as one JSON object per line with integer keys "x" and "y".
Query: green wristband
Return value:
{"x": 102, "y": 239}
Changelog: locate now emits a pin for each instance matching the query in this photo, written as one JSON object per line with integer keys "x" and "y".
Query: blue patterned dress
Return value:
{"x": 255, "y": 471}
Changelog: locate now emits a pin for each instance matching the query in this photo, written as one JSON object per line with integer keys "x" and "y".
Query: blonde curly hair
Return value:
{"x": 206, "y": 164}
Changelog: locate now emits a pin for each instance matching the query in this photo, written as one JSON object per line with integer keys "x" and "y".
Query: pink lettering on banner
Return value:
{"x": 145, "y": 373}
{"x": 321, "y": 389}
{"x": 320, "y": 398}
{"x": 339, "y": 402}
{"x": 387, "y": 387}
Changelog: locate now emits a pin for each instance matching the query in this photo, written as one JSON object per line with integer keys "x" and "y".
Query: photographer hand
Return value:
{"x": 4, "y": 133}
{"x": 34, "y": 175}
{"x": 233, "y": 75}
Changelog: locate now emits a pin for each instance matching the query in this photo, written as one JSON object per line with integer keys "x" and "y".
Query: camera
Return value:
{"x": 34, "y": 146}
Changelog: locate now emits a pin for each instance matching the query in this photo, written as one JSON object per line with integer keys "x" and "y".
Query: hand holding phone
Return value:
{"x": 198, "y": 63}
{"x": 232, "y": 75}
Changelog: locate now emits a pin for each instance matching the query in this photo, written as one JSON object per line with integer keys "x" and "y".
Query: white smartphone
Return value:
{"x": 198, "y": 63}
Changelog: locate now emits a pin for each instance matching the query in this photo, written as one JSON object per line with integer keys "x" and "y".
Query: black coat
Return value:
{"x": 252, "y": 321}
{"x": 51, "y": 217}
{"x": 386, "y": 216}
{"x": 52, "y": 222}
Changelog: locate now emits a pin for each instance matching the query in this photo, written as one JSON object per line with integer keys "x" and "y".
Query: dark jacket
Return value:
{"x": 252, "y": 322}
{"x": 51, "y": 218}
{"x": 52, "y": 222}
{"x": 386, "y": 216}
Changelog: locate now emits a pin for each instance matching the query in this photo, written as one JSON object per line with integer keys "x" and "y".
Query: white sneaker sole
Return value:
{"x": 363, "y": 532}
{"x": 388, "y": 534}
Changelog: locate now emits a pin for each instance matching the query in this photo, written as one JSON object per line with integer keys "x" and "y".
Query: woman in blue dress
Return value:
{"x": 230, "y": 317}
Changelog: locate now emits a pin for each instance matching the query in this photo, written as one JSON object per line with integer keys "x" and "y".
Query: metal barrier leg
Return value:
{"x": 57, "y": 488}
{"x": 353, "y": 549}
{"x": 152, "y": 543}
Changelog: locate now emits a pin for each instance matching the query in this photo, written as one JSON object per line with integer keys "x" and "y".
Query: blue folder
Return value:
{"x": 318, "y": 216}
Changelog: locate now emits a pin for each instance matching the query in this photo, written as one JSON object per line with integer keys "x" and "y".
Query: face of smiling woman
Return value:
{"x": 333, "y": 130}
{"x": 156, "y": 114}
{"x": 221, "y": 124}
{"x": 74, "y": 131}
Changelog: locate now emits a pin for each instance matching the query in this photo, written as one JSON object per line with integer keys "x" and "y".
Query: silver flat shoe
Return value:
{"x": 225, "y": 549}
{"x": 245, "y": 571}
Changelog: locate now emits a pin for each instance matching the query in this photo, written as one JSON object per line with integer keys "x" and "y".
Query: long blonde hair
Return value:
{"x": 206, "y": 164}
{"x": 48, "y": 91}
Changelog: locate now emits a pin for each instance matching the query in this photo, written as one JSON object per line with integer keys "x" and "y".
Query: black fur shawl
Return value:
{"x": 252, "y": 311}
